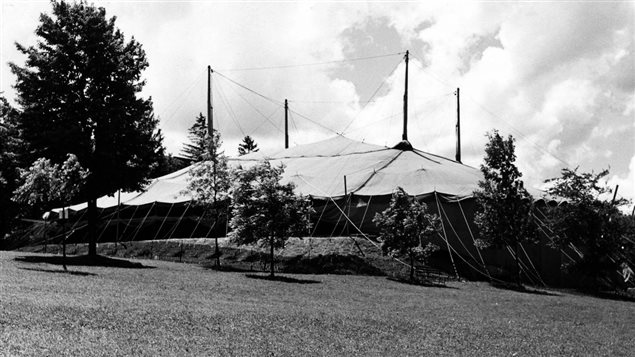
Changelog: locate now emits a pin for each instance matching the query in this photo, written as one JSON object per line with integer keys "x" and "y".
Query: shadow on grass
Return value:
{"x": 429, "y": 284}
{"x": 69, "y": 272}
{"x": 226, "y": 268}
{"x": 522, "y": 289}
{"x": 607, "y": 295}
{"x": 284, "y": 279}
{"x": 82, "y": 260}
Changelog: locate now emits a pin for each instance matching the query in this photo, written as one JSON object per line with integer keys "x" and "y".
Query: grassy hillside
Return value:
{"x": 336, "y": 255}
{"x": 166, "y": 308}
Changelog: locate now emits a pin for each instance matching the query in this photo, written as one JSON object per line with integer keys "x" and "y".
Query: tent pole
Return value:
{"x": 405, "y": 102}
{"x": 210, "y": 119}
{"x": 615, "y": 194}
{"x": 458, "y": 126}
{"x": 286, "y": 124}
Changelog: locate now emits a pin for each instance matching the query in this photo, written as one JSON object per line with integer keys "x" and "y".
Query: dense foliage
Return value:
{"x": 595, "y": 226}
{"x": 45, "y": 184}
{"x": 504, "y": 214}
{"x": 78, "y": 92}
{"x": 406, "y": 228}
{"x": 248, "y": 145}
{"x": 266, "y": 211}
{"x": 9, "y": 162}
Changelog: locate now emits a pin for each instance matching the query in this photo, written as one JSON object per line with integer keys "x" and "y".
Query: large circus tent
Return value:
{"x": 348, "y": 182}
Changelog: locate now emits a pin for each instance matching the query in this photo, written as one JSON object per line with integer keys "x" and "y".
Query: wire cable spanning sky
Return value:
{"x": 560, "y": 77}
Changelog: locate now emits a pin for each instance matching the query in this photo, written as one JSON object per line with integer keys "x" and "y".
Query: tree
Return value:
{"x": 169, "y": 164}
{"x": 209, "y": 184}
{"x": 595, "y": 226}
{"x": 247, "y": 146}
{"x": 504, "y": 213}
{"x": 79, "y": 93}
{"x": 45, "y": 184}
{"x": 264, "y": 211}
{"x": 406, "y": 228}
{"x": 198, "y": 148}
{"x": 9, "y": 162}
{"x": 38, "y": 185}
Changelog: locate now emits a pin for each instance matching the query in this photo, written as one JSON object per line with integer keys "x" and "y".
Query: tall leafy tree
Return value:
{"x": 593, "y": 224}
{"x": 406, "y": 228}
{"x": 247, "y": 146}
{"x": 209, "y": 184}
{"x": 504, "y": 212}
{"x": 79, "y": 92}
{"x": 9, "y": 162}
{"x": 198, "y": 147}
{"x": 265, "y": 211}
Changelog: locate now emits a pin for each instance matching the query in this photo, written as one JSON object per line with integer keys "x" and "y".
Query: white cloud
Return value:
{"x": 559, "y": 77}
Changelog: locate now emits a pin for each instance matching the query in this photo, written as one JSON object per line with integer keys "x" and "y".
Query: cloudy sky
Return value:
{"x": 558, "y": 76}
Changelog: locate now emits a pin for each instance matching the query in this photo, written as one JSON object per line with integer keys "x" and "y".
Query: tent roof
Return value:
{"x": 318, "y": 169}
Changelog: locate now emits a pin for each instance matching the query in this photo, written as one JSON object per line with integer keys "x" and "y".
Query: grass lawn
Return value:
{"x": 181, "y": 309}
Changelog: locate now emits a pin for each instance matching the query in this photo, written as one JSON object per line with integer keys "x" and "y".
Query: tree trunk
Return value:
{"x": 64, "y": 238}
{"x": 517, "y": 265}
{"x": 216, "y": 252}
{"x": 216, "y": 249}
{"x": 45, "y": 236}
{"x": 92, "y": 227}
{"x": 412, "y": 268}
{"x": 271, "y": 274}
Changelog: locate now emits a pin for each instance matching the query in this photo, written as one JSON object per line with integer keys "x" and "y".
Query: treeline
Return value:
{"x": 578, "y": 216}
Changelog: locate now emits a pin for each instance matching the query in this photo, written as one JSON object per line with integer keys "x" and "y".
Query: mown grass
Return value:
{"x": 180, "y": 309}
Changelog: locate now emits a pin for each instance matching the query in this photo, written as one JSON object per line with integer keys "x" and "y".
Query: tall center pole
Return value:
{"x": 210, "y": 120}
{"x": 405, "y": 102}
{"x": 212, "y": 150}
{"x": 286, "y": 124}
{"x": 458, "y": 126}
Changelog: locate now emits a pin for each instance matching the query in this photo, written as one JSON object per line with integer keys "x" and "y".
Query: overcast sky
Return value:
{"x": 559, "y": 77}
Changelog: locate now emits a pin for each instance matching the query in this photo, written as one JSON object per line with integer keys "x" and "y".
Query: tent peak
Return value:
{"x": 403, "y": 145}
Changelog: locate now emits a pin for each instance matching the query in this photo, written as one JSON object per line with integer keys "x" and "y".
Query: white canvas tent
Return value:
{"x": 348, "y": 182}
{"x": 318, "y": 170}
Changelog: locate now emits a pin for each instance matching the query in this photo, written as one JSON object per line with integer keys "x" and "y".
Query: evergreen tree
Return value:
{"x": 198, "y": 148}
{"x": 79, "y": 93}
{"x": 209, "y": 184}
{"x": 265, "y": 211}
{"x": 247, "y": 146}
{"x": 407, "y": 228}
{"x": 504, "y": 207}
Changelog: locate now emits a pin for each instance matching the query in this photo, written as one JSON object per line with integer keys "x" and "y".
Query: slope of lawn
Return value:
{"x": 177, "y": 309}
